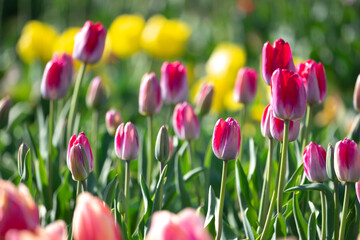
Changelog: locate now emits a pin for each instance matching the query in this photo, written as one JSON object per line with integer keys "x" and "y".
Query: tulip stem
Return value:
{"x": 83, "y": 183}
{"x": 78, "y": 189}
{"x": 74, "y": 99}
{"x": 197, "y": 190}
{"x": 242, "y": 122}
{"x": 150, "y": 157}
{"x": 344, "y": 211}
{"x": 282, "y": 171}
{"x": 222, "y": 198}
{"x": 323, "y": 216}
{"x": 126, "y": 192}
{"x": 162, "y": 166}
{"x": 95, "y": 122}
{"x": 265, "y": 195}
{"x": 305, "y": 140}
{"x": 50, "y": 164}
{"x": 268, "y": 217}
{"x": 336, "y": 209}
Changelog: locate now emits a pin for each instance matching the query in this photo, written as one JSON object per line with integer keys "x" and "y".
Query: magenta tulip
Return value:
{"x": 265, "y": 122}
{"x": 112, "y": 121}
{"x": 185, "y": 122}
{"x": 274, "y": 57}
{"x": 245, "y": 85}
{"x": 54, "y": 231}
{"x": 288, "y": 95}
{"x": 173, "y": 82}
{"x": 96, "y": 95}
{"x": 89, "y": 42}
{"x": 277, "y": 129}
{"x": 356, "y": 96}
{"x": 150, "y": 101}
{"x": 204, "y": 98}
{"x": 314, "y": 161}
{"x": 347, "y": 161}
{"x": 126, "y": 142}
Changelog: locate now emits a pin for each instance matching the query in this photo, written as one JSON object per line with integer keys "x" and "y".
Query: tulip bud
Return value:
{"x": 356, "y": 96}
{"x": 277, "y": 129}
{"x": 204, "y": 98}
{"x": 57, "y": 77}
{"x": 274, "y": 57}
{"x": 126, "y": 142}
{"x": 112, "y": 121}
{"x": 150, "y": 101}
{"x": 314, "y": 79}
{"x": 245, "y": 85}
{"x": 314, "y": 161}
{"x": 96, "y": 96}
{"x": 162, "y": 145}
{"x": 79, "y": 157}
{"x": 357, "y": 188}
{"x": 265, "y": 122}
{"x": 347, "y": 161}
{"x": 226, "y": 139}
{"x": 173, "y": 82}
{"x": 93, "y": 219}
{"x": 121, "y": 206}
{"x": 89, "y": 42}
{"x": 185, "y": 122}
{"x": 288, "y": 95}
{"x": 22, "y": 153}
{"x": 330, "y": 164}
{"x": 5, "y": 105}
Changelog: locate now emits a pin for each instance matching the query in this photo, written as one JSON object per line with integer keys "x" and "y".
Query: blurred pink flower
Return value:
{"x": 150, "y": 101}
{"x": 54, "y": 231}
{"x": 314, "y": 161}
{"x": 126, "y": 142}
{"x": 245, "y": 85}
{"x": 185, "y": 122}
{"x": 347, "y": 161}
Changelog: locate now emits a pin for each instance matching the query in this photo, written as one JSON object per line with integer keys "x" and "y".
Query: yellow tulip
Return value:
{"x": 36, "y": 41}
{"x": 65, "y": 42}
{"x": 163, "y": 38}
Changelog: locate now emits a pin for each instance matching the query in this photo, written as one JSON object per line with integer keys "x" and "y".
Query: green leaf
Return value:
{"x": 352, "y": 221}
{"x": 158, "y": 190}
{"x": 193, "y": 173}
{"x": 59, "y": 131}
{"x": 312, "y": 227}
{"x": 179, "y": 182}
{"x": 211, "y": 207}
{"x": 280, "y": 226}
{"x": 241, "y": 179}
{"x": 108, "y": 195}
{"x": 300, "y": 221}
{"x": 27, "y": 177}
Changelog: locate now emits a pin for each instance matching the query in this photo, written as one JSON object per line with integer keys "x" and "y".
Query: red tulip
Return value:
{"x": 288, "y": 95}
{"x": 54, "y": 231}
{"x": 274, "y": 57}
{"x": 245, "y": 85}
{"x": 277, "y": 129}
{"x": 226, "y": 139}
{"x": 314, "y": 161}
{"x": 185, "y": 122}
{"x": 150, "y": 101}
{"x": 96, "y": 95}
{"x": 112, "y": 121}
{"x": 347, "y": 161}
{"x": 356, "y": 97}
{"x": 314, "y": 78}
{"x": 126, "y": 142}
{"x": 265, "y": 121}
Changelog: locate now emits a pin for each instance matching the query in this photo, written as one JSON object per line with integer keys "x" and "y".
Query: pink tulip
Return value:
{"x": 204, "y": 98}
{"x": 277, "y": 129}
{"x": 357, "y": 188}
{"x": 314, "y": 79}
{"x": 150, "y": 101}
{"x": 186, "y": 225}
{"x": 226, "y": 139}
{"x": 274, "y": 57}
{"x": 185, "y": 122}
{"x": 356, "y": 96}
{"x": 89, "y": 42}
{"x": 93, "y": 220}
{"x": 112, "y": 121}
{"x": 288, "y": 95}
{"x": 126, "y": 142}
{"x": 347, "y": 161}
{"x": 265, "y": 122}
{"x": 17, "y": 208}
{"x": 55, "y": 231}
{"x": 245, "y": 85}
{"x": 314, "y": 161}
{"x": 173, "y": 82}
{"x": 80, "y": 159}
{"x": 96, "y": 95}
{"x": 57, "y": 77}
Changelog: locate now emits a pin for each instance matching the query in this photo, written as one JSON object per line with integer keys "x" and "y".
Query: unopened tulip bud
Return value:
{"x": 356, "y": 96}
{"x": 185, "y": 122}
{"x": 226, "y": 139}
{"x": 150, "y": 101}
{"x": 314, "y": 161}
{"x": 90, "y": 42}
{"x": 204, "y": 98}
{"x": 265, "y": 121}
{"x": 96, "y": 96}
{"x": 277, "y": 129}
{"x": 330, "y": 170}
{"x": 126, "y": 142}
{"x": 121, "y": 207}
{"x": 22, "y": 153}
{"x": 274, "y": 57}
{"x": 245, "y": 85}
{"x": 288, "y": 95}
{"x": 347, "y": 161}
{"x": 5, "y": 105}
{"x": 162, "y": 145}
{"x": 112, "y": 121}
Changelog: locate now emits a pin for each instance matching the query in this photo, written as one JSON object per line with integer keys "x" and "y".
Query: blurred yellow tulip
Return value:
{"x": 125, "y": 32}
{"x": 36, "y": 41}
{"x": 65, "y": 42}
{"x": 163, "y": 38}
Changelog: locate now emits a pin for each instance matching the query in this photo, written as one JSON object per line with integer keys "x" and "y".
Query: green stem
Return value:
{"x": 162, "y": 165}
{"x": 150, "y": 157}
{"x": 268, "y": 217}
{"x": 74, "y": 99}
{"x": 94, "y": 136}
{"x": 265, "y": 194}
{"x": 197, "y": 190}
{"x": 323, "y": 216}
{"x": 83, "y": 183}
{"x": 345, "y": 210}
{"x": 50, "y": 162}
{"x": 336, "y": 209}
{"x": 242, "y": 121}
{"x": 78, "y": 189}
{"x": 280, "y": 188}
{"x": 126, "y": 192}
{"x": 305, "y": 140}
{"x": 222, "y": 198}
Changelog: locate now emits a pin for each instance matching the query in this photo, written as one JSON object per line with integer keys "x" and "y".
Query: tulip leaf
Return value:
{"x": 294, "y": 180}
{"x": 108, "y": 195}
{"x": 352, "y": 220}
{"x": 211, "y": 207}
{"x": 311, "y": 231}
{"x": 159, "y": 190}
{"x": 180, "y": 185}
{"x": 27, "y": 177}
{"x": 280, "y": 226}
{"x": 193, "y": 173}
{"x": 252, "y": 152}
{"x": 301, "y": 224}
{"x": 59, "y": 130}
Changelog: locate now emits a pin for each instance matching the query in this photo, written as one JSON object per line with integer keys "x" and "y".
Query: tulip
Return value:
{"x": 54, "y": 231}
{"x": 288, "y": 95}
{"x": 22, "y": 160}
{"x": 204, "y": 98}
{"x": 112, "y": 121}
{"x": 185, "y": 122}
{"x": 356, "y": 97}
{"x": 17, "y": 208}
{"x": 186, "y": 225}
{"x": 57, "y": 77}
{"x": 347, "y": 161}
{"x": 265, "y": 121}
{"x": 150, "y": 101}
{"x": 314, "y": 79}
{"x": 96, "y": 96}
{"x": 79, "y": 157}
{"x": 277, "y": 129}
{"x": 274, "y": 57}
{"x": 162, "y": 145}
{"x": 245, "y": 85}
{"x": 126, "y": 142}
{"x": 5, "y": 105}
{"x": 173, "y": 82}
{"x": 89, "y": 43}
{"x": 93, "y": 220}
{"x": 314, "y": 161}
